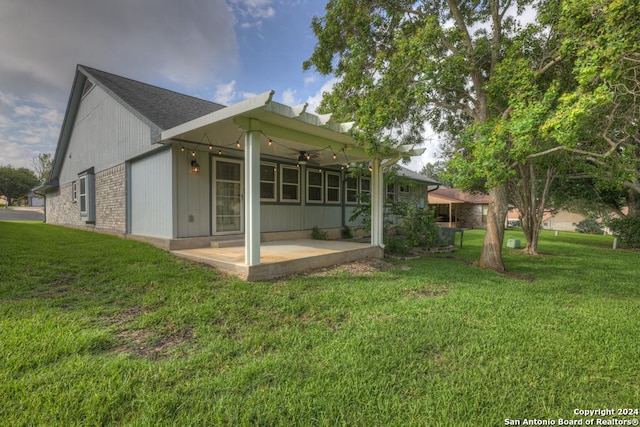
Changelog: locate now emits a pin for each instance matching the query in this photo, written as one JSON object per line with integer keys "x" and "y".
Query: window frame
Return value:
{"x": 74, "y": 192}
{"x": 87, "y": 195}
{"x": 283, "y": 183}
{"x": 274, "y": 182}
{"x": 361, "y": 191}
{"x": 82, "y": 195}
{"x": 351, "y": 190}
{"x": 308, "y": 185}
{"x": 390, "y": 196}
{"x": 328, "y": 187}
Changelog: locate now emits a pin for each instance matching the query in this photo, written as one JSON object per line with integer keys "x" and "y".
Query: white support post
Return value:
{"x": 377, "y": 204}
{"x": 252, "y": 197}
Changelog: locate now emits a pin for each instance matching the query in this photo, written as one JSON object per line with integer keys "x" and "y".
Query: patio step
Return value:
{"x": 226, "y": 243}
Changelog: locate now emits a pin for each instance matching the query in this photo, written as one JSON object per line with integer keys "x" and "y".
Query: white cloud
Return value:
{"x": 42, "y": 41}
{"x": 25, "y": 110}
{"x": 225, "y": 93}
{"x": 27, "y": 127}
{"x": 315, "y": 99}
{"x": 289, "y": 97}
{"x": 250, "y": 13}
{"x": 162, "y": 42}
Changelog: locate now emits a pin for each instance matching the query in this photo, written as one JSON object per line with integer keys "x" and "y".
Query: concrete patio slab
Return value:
{"x": 280, "y": 258}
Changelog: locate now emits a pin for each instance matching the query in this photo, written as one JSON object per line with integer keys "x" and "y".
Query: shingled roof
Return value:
{"x": 164, "y": 108}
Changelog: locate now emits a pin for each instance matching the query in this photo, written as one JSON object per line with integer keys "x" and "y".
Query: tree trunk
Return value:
{"x": 529, "y": 194}
{"x": 532, "y": 234}
{"x": 491, "y": 255}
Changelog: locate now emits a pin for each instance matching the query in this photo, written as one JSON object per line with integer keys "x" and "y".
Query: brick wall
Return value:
{"x": 110, "y": 202}
{"x": 111, "y": 199}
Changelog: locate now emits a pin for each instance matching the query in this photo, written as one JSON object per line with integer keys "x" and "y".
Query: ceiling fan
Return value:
{"x": 303, "y": 157}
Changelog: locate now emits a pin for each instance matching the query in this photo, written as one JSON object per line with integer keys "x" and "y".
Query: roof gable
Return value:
{"x": 162, "y": 107}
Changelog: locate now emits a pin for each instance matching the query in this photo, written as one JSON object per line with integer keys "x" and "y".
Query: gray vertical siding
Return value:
{"x": 104, "y": 135}
{"x": 151, "y": 196}
{"x": 193, "y": 194}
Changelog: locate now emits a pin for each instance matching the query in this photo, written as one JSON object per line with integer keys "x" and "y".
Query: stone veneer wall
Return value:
{"x": 110, "y": 202}
{"x": 471, "y": 215}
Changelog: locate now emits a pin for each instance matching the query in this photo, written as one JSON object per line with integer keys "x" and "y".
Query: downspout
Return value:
{"x": 343, "y": 197}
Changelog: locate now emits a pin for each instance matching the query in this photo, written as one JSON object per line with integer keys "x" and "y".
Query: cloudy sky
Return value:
{"x": 219, "y": 50}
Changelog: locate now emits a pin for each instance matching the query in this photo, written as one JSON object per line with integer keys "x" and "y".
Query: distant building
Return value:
{"x": 455, "y": 208}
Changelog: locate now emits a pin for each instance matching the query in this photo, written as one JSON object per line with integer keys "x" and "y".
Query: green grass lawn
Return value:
{"x": 98, "y": 330}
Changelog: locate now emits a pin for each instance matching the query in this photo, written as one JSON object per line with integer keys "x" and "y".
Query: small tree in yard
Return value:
{"x": 42, "y": 163}
{"x": 16, "y": 183}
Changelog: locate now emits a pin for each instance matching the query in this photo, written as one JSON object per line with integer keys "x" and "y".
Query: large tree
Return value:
{"x": 599, "y": 120}
{"x": 402, "y": 64}
{"x": 16, "y": 183}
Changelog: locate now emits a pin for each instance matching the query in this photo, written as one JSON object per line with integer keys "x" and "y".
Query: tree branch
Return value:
{"x": 553, "y": 62}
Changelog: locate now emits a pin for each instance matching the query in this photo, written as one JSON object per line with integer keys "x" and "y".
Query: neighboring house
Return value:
{"x": 35, "y": 200}
{"x": 455, "y": 208}
{"x": 561, "y": 220}
{"x": 140, "y": 160}
{"x": 413, "y": 193}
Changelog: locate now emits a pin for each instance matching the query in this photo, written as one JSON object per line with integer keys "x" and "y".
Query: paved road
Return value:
{"x": 21, "y": 214}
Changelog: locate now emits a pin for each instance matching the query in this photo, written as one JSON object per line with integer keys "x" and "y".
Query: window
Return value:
{"x": 365, "y": 187}
{"x": 86, "y": 195}
{"x": 352, "y": 190}
{"x": 314, "y": 186}
{"x": 333, "y": 187}
{"x": 290, "y": 184}
{"x": 405, "y": 189}
{"x": 83, "y": 195}
{"x": 74, "y": 191}
{"x": 268, "y": 182}
{"x": 391, "y": 193}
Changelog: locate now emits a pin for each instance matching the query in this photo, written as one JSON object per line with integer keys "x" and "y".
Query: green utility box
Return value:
{"x": 513, "y": 243}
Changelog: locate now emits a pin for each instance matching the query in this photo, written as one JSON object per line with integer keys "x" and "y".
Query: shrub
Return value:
{"x": 397, "y": 245}
{"x": 419, "y": 226}
{"x": 318, "y": 234}
{"x": 589, "y": 226}
{"x": 346, "y": 232}
{"x": 627, "y": 230}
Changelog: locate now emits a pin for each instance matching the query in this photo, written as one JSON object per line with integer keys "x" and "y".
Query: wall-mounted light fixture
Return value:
{"x": 195, "y": 167}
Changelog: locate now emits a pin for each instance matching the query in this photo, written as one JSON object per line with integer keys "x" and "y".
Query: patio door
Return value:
{"x": 227, "y": 197}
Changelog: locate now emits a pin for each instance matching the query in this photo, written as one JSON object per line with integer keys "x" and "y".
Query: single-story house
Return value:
{"x": 181, "y": 172}
{"x": 35, "y": 200}
{"x": 455, "y": 208}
